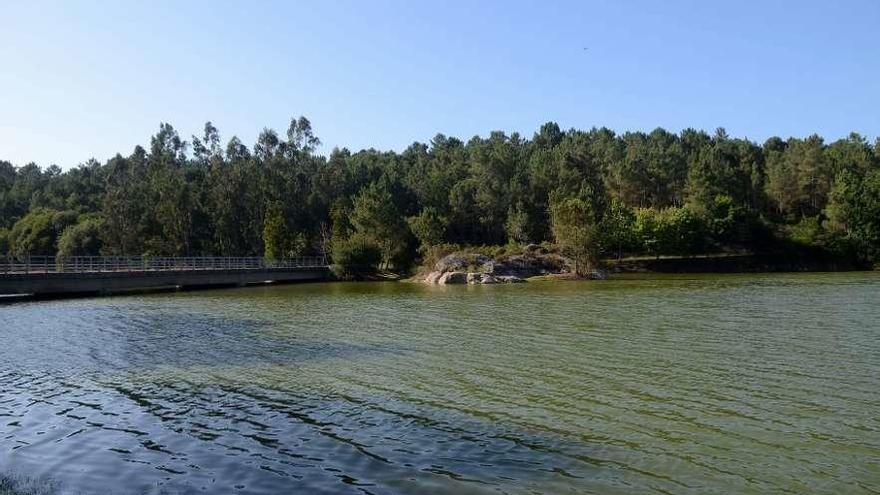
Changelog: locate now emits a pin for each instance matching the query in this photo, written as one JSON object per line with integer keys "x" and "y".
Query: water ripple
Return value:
{"x": 681, "y": 385}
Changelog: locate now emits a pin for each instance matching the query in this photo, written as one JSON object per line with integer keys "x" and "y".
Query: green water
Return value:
{"x": 684, "y": 385}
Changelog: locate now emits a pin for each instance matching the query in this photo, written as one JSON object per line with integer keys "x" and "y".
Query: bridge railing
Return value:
{"x": 126, "y": 264}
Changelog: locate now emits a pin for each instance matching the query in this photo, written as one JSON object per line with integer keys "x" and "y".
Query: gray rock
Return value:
{"x": 450, "y": 262}
{"x": 457, "y": 262}
{"x": 478, "y": 278}
{"x": 509, "y": 279}
{"x": 433, "y": 277}
{"x": 453, "y": 278}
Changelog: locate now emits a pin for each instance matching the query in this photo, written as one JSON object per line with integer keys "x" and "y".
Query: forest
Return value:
{"x": 597, "y": 193}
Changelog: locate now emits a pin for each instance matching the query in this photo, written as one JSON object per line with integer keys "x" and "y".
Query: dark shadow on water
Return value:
{"x": 109, "y": 342}
{"x": 141, "y": 434}
{"x": 193, "y": 339}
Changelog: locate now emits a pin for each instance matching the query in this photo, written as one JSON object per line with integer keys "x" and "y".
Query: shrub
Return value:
{"x": 575, "y": 231}
{"x": 355, "y": 257}
{"x": 670, "y": 230}
{"x": 82, "y": 239}
{"x": 37, "y": 232}
{"x": 807, "y": 232}
{"x": 429, "y": 227}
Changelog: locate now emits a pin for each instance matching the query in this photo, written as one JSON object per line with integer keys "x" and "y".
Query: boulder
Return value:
{"x": 433, "y": 277}
{"x": 452, "y": 278}
{"x": 509, "y": 279}
{"x": 478, "y": 278}
{"x": 457, "y": 262}
{"x": 450, "y": 262}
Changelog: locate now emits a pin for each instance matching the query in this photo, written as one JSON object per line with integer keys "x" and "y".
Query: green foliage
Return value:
{"x": 808, "y": 231}
{"x": 799, "y": 175}
{"x": 4, "y": 241}
{"x": 278, "y": 240}
{"x": 854, "y": 211}
{"x": 429, "y": 227}
{"x": 274, "y": 233}
{"x": 669, "y": 231}
{"x": 574, "y": 228}
{"x": 727, "y": 221}
{"x": 517, "y": 225}
{"x": 376, "y": 216}
{"x": 656, "y": 193}
{"x": 37, "y": 232}
{"x": 355, "y": 257}
{"x": 82, "y": 239}
{"x": 616, "y": 230}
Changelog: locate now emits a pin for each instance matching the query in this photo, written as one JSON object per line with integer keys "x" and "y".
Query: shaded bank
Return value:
{"x": 481, "y": 265}
{"x": 784, "y": 259}
{"x": 737, "y": 264}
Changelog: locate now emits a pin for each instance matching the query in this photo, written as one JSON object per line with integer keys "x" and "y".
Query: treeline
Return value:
{"x": 595, "y": 193}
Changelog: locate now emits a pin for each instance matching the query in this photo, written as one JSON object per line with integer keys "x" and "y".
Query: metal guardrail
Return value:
{"x": 134, "y": 264}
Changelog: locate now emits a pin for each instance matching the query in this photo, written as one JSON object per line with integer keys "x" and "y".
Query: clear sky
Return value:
{"x": 89, "y": 79}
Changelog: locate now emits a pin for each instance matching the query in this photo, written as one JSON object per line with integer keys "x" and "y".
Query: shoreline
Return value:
{"x": 722, "y": 264}
{"x": 537, "y": 268}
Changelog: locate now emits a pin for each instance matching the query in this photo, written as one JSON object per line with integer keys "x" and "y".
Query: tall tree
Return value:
{"x": 574, "y": 229}
{"x": 375, "y": 215}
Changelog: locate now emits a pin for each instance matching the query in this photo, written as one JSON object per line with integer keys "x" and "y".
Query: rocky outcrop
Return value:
{"x": 433, "y": 277}
{"x": 478, "y": 269}
{"x": 453, "y": 278}
{"x": 458, "y": 262}
{"x": 470, "y": 278}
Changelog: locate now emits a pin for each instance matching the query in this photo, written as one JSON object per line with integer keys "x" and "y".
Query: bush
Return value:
{"x": 727, "y": 221}
{"x": 355, "y": 257}
{"x": 279, "y": 240}
{"x": 616, "y": 230}
{"x": 37, "y": 232}
{"x": 576, "y": 233}
{"x": 429, "y": 227}
{"x": 669, "y": 231}
{"x": 82, "y": 239}
{"x": 807, "y": 232}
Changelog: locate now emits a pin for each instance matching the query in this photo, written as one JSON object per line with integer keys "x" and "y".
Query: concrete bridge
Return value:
{"x": 46, "y": 275}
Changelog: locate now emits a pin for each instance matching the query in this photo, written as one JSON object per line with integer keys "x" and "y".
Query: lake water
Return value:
{"x": 678, "y": 385}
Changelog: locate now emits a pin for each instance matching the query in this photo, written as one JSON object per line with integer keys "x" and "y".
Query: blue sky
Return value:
{"x": 89, "y": 79}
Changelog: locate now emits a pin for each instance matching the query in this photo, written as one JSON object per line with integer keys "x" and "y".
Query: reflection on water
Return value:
{"x": 745, "y": 384}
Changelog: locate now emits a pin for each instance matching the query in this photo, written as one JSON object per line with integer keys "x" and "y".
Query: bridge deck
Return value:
{"x": 47, "y": 275}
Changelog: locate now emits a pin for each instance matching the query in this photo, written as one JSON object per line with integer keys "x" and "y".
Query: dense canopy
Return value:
{"x": 633, "y": 193}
